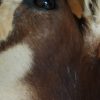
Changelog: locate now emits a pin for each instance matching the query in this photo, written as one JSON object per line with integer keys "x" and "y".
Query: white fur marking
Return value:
{"x": 93, "y": 21}
{"x": 14, "y": 64}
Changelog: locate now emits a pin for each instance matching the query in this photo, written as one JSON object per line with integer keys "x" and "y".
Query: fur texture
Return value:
{"x": 49, "y": 54}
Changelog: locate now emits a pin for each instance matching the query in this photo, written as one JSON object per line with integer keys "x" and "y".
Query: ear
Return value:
{"x": 76, "y": 7}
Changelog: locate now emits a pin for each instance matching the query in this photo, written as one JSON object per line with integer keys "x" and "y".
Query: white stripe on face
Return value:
{"x": 14, "y": 65}
{"x": 7, "y": 9}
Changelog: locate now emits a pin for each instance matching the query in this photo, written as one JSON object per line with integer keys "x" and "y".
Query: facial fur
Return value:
{"x": 43, "y": 52}
{"x": 92, "y": 14}
{"x": 30, "y": 33}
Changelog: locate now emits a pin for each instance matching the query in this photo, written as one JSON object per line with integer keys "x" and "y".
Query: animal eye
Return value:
{"x": 45, "y": 4}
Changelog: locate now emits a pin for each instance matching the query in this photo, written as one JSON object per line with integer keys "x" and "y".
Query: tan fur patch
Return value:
{"x": 7, "y": 9}
{"x": 76, "y": 7}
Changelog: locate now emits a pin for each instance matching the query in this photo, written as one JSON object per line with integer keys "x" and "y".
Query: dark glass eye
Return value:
{"x": 46, "y": 4}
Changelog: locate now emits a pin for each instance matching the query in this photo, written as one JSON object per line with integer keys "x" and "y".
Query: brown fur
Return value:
{"x": 62, "y": 70}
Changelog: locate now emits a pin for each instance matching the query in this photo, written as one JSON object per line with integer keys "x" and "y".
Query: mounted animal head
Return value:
{"x": 45, "y": 45}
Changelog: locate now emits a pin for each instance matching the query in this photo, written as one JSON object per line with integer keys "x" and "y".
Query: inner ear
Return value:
{"x": 76, "y": 7}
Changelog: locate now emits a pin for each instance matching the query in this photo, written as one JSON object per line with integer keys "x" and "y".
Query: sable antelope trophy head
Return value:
{"x": 46, "y": 51}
